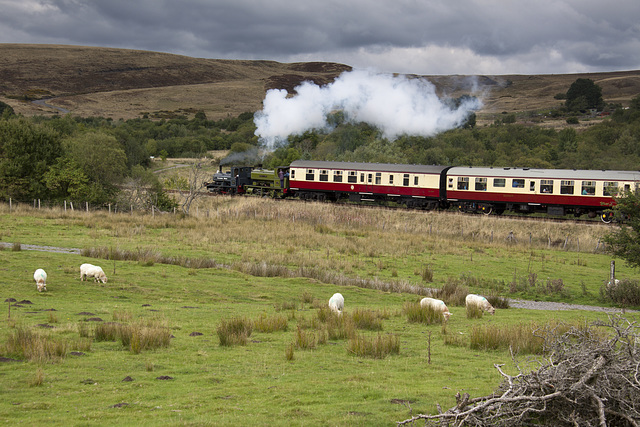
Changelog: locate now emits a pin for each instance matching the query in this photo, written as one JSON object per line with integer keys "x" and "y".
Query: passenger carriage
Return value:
{"x": 415, "y": 186}
{"x": 552, "y": 191}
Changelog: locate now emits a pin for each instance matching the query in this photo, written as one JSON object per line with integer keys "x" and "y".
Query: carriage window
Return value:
{"x": 293, "y": 174}
{"x": 353, "y": 177}
{"x": 517, "y": 183}
{"x": 324, "y": 175}
{"x": 415, "y": 181}
{"x": 546, "y": 186}
{"x": 499, "y": 182}
{"x": 588, "y": 187}
{"x": 310, "y": 175}
{"x": 405, "y": 179}
{"x": 337, "y": 176}
{"x": 378, "y": 178}
{"x": 481, "y": 184}
{"x": 566, "y": 187}
{"x": 450, "y": 182}
{"x": 369, "y": 178}
{"x": 610, "y": 188}
{"x": 361, "y": 177}
{"x": 391, "y": 179}
{"x": 532, "y": 186}
{"x": 463, "y": 183}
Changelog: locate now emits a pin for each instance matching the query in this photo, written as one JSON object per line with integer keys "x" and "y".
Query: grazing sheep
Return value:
{"x": 479, "y": 301}
{"x": 336, "y": 303}
{"x": 40, "y": 276}
{"x": 436, "y": 305}
{"x": 90, "y": 270}
{"x": 84, "y": 269}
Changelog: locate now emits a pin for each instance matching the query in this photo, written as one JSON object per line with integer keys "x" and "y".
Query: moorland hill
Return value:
{"x": 122, "y": 83}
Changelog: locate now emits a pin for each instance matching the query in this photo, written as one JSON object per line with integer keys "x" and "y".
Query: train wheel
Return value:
{"x": 606, "y": 218}
{"x": 487, "y": 210}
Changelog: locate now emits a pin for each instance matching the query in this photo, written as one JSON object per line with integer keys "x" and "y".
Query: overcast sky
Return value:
{"x": 404, "y": 36}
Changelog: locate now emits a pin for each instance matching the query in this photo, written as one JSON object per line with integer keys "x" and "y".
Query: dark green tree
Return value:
{"x": 624, "y": 242}
{"x": 26, "y": 153}
{"x": 584, "y": 94}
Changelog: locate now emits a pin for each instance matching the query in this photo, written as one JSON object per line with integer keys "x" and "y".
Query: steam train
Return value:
{"x": 485, "y": 190}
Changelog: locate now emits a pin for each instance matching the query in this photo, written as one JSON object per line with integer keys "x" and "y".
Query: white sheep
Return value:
{"x": 436, "y": 305}
{"x": 40, "y": 276}
{"x": 336, "y": 303}
{"x": 480, "y": 302}
{"x": 90, "y": 270}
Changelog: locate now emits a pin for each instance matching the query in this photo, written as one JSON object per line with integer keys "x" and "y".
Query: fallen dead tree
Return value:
{"x": 587, "y": 378}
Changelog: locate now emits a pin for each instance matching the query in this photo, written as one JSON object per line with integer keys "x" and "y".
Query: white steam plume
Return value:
{"x": 396, "y": 105}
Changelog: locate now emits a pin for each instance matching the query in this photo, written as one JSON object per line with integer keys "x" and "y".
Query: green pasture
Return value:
{"x": 256, "y": 383}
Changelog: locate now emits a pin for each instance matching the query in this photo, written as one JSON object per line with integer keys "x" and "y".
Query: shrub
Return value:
{"x": 377, "y": 347}
{"x": 235, "y": 331}
{"x": 625, "y": 293}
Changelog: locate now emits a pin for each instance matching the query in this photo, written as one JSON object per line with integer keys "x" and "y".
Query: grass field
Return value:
{"x": 289, "y": 249}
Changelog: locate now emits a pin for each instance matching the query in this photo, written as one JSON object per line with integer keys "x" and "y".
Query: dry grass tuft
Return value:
{"x": 377, "y": 347}
{"x": 235, "y": 331}
{"x": 270, "y": 324}
{"x": 27, "y": 344}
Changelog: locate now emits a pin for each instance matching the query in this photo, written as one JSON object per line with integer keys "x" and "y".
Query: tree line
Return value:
{"x": 90, "y": 159}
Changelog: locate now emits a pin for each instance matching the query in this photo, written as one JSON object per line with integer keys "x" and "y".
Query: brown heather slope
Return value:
{"x": 121, "y": 83}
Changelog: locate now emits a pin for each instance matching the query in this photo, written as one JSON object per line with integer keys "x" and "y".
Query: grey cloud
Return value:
{"x": 582, "y": 34}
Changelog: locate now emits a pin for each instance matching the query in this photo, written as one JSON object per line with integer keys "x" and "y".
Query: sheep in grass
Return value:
{"x": 436, "y": 305}
{"x": 336, "y": 303}
{"x": 90, "y": 270}
{"x": 40, "y": 276}
{"x": 480, "y": 302}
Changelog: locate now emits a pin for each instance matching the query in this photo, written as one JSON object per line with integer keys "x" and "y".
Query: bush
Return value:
{"x": 624, "y": 293}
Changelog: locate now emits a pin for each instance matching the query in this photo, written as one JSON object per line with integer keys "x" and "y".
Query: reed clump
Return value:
{"x": 377, "y": 347}
{"x": 417, "y": 314}
{"x": 28, "y": 344}
{"x": 268, "y": 324}
{"x": 235, "y": 331}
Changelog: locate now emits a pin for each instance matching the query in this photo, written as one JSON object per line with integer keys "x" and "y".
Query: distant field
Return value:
{"x": 120, "y": 83}
{"x": 254, "y": 242}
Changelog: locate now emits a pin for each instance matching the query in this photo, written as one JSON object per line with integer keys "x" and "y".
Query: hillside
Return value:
{"x": 121, "y": 83}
